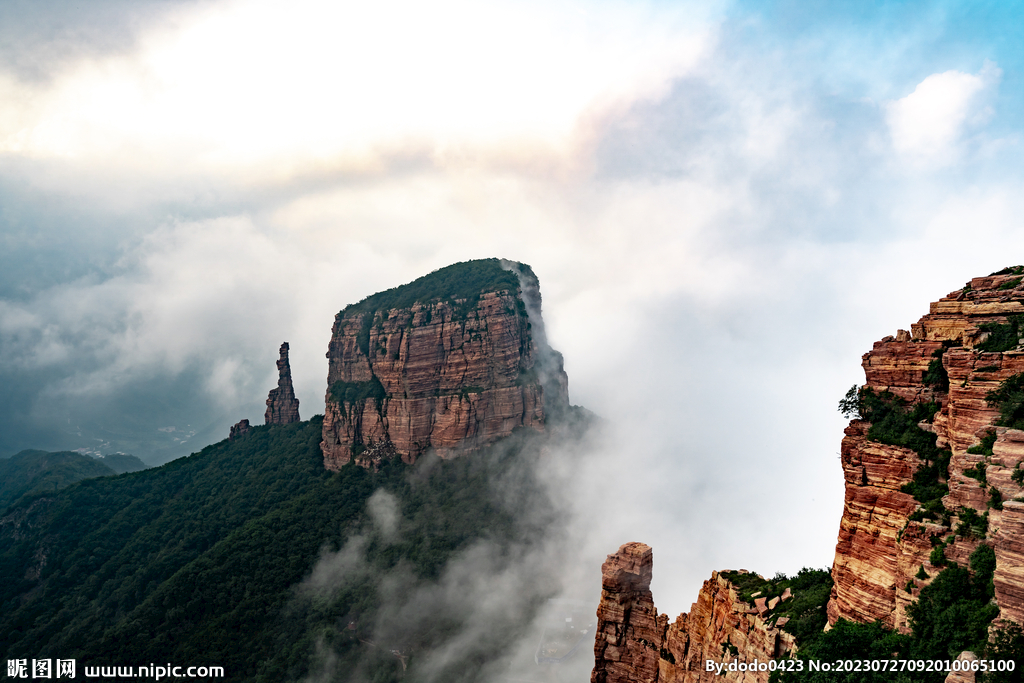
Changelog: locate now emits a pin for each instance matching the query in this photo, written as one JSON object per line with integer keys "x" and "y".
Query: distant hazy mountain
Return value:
{"x": 122, "y": 462}
{"x": 39, "y": 471}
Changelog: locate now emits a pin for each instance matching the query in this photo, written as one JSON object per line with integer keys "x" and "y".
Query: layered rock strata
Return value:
{"x": 722, "y": 628}
{"x": 282, "y": 406}
{"x": 442, "y": 366}
{"x": 636, "y": 644}
{"x": 1009, "y": 575}
{"x": 630, "y": 633}
{"x": 880, "y": 550}
{"x": 886, "y": 538}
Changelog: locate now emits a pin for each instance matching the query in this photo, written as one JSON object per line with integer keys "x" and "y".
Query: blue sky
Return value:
{"x": 726, "y": 204}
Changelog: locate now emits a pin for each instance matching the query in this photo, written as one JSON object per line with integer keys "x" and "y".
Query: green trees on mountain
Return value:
{"x": 460, "y": 281}
{"x": 235, "y": 556}
{"x": 1002, "y": 336}
{"x": 1009, "y": 399}
{"x": 952, "y": 614}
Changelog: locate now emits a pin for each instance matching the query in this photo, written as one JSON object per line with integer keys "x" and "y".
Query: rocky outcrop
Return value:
{"x": 880, "y": 549}
{"x": 450, "y": 362}
{"x": 238, "y": 430}
{"x": 629, "y": 631}
{"x": 636, "y": 644}
{"x": 723, "y": 629}
{"x": 282, "y": 406}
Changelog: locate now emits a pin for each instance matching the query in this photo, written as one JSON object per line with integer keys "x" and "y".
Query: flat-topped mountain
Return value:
{"x": 452, "y": 361}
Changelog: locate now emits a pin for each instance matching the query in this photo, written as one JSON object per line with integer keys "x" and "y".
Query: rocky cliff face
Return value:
{"x": 929, "y": 475}
{"x": 282, "y": 406}
{"x": 637, "y": 645}
{"x": 885, "y": 536}
{"x": 722, "y": 628}
{"x": 450, "y": 362}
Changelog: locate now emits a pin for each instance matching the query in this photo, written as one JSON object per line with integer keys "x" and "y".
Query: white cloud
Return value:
{"x": 260, "y": 89}
{"x": 928, "y": 124}
{"x": 385, "y": 512}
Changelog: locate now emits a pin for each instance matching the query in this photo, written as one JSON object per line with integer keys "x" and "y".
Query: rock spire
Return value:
{"x": 282, "y": 406}
{"x": 629, "y": 632}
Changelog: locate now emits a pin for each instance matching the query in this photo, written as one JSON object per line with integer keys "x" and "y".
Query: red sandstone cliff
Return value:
{"x": 720, "y": 618}
{"x": 629, "y": 631}
{"x": 449, "y": 362}
{"x": 282, "y": 406}
{"x": 879, "y": 550}
{"x": 637, "y": 645}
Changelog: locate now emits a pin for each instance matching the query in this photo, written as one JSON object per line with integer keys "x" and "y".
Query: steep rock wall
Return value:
{"x": 880, "y": 550}
{"x": 444, "y": 373}
{"x": 871, "y": 557}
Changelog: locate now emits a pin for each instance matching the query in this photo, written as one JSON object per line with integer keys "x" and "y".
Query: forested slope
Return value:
{"x": 208, "y": 560}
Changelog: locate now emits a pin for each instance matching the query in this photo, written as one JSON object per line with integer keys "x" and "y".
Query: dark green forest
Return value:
{"x": 460, "y": 281}
{"x": 249, "y": 555}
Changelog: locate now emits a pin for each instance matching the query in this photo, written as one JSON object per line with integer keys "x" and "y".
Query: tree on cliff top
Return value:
{"x": 459, "y": 281}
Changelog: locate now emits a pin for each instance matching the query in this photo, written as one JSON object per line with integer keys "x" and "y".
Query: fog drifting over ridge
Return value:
{"x": 717, "y": 242}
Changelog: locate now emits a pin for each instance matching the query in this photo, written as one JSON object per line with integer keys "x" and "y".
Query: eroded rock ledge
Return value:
{"x": 637, "y": 645}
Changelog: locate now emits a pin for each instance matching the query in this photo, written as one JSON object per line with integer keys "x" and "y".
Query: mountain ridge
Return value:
{"x": 30, "y": 472}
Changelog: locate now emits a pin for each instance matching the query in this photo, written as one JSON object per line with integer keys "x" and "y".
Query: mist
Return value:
{"x": 482, "y": 617}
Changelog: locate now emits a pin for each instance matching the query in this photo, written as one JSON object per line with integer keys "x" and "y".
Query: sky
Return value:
{"x": 726, "y": 203}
